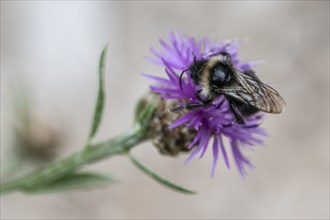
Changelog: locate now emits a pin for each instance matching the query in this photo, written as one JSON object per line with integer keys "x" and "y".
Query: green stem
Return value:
{"x": 115, "y": 146}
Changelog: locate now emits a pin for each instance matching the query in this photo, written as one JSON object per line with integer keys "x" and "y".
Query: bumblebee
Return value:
{"x": 245, "y": 93}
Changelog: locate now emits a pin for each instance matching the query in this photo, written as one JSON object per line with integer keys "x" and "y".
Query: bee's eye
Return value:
{"x": 219, "y": 77}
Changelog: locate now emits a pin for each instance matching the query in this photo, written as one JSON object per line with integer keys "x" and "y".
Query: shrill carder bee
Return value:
{"x": 245, "y": 93}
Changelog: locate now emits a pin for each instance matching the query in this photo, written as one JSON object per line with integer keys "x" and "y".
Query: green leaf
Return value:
{"x": 72, "y": 181}
{"x": 100, "y": 97}
{"x": 160, "y": 179}
{"x": 144, "y": 111}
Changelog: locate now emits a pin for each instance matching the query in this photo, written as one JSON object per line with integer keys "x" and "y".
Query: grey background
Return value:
{"x": 49, "y": 53}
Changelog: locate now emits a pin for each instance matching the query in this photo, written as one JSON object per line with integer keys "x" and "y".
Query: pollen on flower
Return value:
{"x": 206, "y": 126}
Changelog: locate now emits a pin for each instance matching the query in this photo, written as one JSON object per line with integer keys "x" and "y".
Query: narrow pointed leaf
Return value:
{"x": 100, "y": 97}
{"x": 83, "y": 180}
{"x": 160, "y": 179}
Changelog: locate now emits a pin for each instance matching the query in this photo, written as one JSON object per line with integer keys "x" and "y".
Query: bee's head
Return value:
{"x": 196, "y": 70}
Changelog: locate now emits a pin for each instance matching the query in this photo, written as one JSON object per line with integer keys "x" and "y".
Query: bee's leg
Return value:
{"x": 177, "y": 109}
{"x": 191, "y": 106}
{"x": 220, "y": 104}
{"x": 238, "y": 117}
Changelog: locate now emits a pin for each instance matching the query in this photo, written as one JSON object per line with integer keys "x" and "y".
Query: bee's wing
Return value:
{"x": 252, "y": 91}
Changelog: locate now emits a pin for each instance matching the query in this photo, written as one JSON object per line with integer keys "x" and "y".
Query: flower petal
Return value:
{"x": 183, "y": 119}
{"x": 194, "y": 153}
{"x": 205, "y": 141}
{"x": 163, "y": 90}
{"x": 240, "y": 160}
{"x": 158, "y": 79}
{"x": 173, "y": 77}
{"x": 196, "y": 139}
{"x": 215, "y": 155}
{"x": 223, "y": 150}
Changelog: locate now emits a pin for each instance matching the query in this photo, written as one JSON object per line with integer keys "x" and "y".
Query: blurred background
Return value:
{"x": 49, "y": 59}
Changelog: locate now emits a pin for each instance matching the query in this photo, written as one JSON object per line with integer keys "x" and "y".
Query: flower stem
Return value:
{"x": 115, "y": 146}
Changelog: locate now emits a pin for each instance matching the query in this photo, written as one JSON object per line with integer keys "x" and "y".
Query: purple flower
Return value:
{"x": 213, "y": 122}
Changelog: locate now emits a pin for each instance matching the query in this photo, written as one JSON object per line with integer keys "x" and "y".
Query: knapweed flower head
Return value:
{"x": 215, "y": 122}
{"x": 169, "y": 141}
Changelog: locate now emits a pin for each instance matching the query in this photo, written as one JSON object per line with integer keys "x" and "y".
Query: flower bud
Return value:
{"x": 169, "y": 141}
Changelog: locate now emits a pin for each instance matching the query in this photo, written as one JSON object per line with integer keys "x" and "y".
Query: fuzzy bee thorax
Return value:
{"x": 205, "y": 78}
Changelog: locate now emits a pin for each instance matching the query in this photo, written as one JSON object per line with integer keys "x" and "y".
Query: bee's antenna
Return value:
{"x": 181, "y": 75}
{"x": 194, "y": 56}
